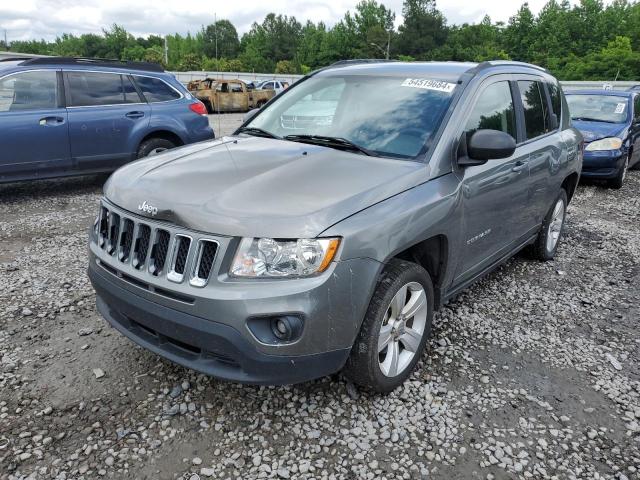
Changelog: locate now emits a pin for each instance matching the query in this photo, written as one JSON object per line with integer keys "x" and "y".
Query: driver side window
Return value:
{"x": 493, "y": 110}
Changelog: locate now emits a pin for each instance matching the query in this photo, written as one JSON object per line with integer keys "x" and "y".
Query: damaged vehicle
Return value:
{"x": 222, "y": 96}
{"x": 287, "y": 252}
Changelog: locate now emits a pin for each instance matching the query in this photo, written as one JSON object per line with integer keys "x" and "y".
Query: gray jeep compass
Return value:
{"x": 324, "y": 233}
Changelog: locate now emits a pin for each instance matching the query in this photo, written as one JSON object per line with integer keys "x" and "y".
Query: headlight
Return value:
{"x": 266, "y": 257}
{"x": 611, "y": 143}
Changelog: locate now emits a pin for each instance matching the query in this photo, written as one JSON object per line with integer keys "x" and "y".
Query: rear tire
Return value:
{"x": 154, "y": 146}
{"x": 546, "y": 245}
{"x": 618, "y": 182}
{"x": 395, "y": 329}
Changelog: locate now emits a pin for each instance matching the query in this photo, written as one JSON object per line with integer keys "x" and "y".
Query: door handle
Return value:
{"x": 51, "y": 121}
{"x": 134, "y": 115}
{"x": 520, "y": 165}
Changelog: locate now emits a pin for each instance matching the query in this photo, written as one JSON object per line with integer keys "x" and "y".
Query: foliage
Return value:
{"x": 583, "y": 40}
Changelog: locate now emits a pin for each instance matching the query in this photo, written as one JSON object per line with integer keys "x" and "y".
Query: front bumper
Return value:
{"x": 204, "y": 345}
{"x": 603, "y": 164}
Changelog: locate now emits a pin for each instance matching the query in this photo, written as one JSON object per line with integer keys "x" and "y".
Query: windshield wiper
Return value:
{"x": 331, "y": 142}
{"x": 590, "y": 119}
{"x": 258, "y": 132}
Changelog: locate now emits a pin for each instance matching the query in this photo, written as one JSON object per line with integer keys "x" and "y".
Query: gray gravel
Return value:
{"x": 533, "y": 373}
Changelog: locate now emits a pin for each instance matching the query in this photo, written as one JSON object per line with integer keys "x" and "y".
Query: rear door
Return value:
{"x": 494, "y": 193}
{"x": 34, "y": 137}
{"x": 106, "y": 118}
{"x": 239, "y": 99}
{"x": 543, "y": 142}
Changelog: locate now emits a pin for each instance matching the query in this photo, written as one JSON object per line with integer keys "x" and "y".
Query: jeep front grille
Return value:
{"x": 159, "y": 251}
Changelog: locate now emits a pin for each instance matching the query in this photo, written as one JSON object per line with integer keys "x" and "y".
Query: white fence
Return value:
{"x": 186, "y": 77}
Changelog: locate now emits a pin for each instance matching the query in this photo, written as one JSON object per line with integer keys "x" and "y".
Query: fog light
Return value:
{"x": 281, "y": 328}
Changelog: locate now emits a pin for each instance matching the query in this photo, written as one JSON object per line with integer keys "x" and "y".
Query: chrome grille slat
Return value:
{"x": 179, "y": 256}
{"x": 126, "y": 240}
{"x": 114, "y": 233}
{"x": 141, "y": 246}
{"x": 103, "y": 227}
{"x": 203, "y": 263}
{"x": 159, "y": 251}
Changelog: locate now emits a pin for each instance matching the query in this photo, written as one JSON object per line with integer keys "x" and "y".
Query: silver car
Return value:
{"x": 293, "y": 250}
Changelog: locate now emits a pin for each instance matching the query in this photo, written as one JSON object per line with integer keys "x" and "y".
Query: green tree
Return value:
{"x": 228, "y": 43}
{"x": 519, "y": 35}
{"x": 423, "y": 29}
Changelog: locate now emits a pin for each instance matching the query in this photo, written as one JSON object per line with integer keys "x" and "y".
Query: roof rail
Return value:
{"x": 513, "y": 63}
{"x": 14, "y": 59}
{"x": 102, "y": 62}
{"x": 357, "y": 61}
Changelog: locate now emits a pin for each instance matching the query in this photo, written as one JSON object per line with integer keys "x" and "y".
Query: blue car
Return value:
{"x": 609, "y": 121}
{"x": 68, "y": 116}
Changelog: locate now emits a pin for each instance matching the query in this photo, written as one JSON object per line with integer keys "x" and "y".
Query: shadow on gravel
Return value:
{"x": 11, "y": 192}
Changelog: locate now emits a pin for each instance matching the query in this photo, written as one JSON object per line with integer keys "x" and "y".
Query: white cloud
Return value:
{"x": 36, "y": 19}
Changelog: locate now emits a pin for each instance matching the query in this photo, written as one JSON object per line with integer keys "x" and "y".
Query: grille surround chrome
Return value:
{"x": 129, "y": 244}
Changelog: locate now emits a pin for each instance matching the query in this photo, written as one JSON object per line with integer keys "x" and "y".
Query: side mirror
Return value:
{"x": 250, "y": 114}
{"x": 553, "y": 121}
{"x": 484, "y": 145}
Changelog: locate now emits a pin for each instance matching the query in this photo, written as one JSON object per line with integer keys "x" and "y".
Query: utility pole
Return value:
{"x": 6, "y": 45}
{"x": 166, "y": 51}
{"x": 215, "y": 33}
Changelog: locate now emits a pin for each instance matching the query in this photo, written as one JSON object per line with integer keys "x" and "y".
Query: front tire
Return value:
{"x": 395, "y": 329}
{"x": 618, "y": 182}
{"x": 546, "y": 244}
{"x": 154, "y": 146}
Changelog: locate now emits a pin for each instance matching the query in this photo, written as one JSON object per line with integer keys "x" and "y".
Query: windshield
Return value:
{"x": 389, "y": 116}
{"x": 598, "y": 108}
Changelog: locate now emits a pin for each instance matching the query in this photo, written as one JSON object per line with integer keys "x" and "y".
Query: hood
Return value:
{"x": 250, "y": 186}
{"x": 596, "y": 130}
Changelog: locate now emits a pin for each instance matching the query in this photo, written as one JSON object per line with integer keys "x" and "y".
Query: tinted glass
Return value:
{"x": 534, "y": 108}
{"x": 556, "y": 102}
{"x": 636, "y": 106}
{"x": 28, "y": 91}
{"x": 155, "y": 90}
{"x": 130, "y": 93}
{"x": 89, "y": 88}
{"x": 493, "y": 110}
{"x": 598, "y": 108}
{"x": 392, "y": 116}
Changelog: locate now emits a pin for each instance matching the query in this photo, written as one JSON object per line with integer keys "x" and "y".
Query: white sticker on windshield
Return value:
{"x": 427, "y": 84}
{"x": 620, "y": 107}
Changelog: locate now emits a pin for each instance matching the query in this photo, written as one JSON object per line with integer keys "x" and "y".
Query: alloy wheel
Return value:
{"x": 555, "y": 226}
{"x": 402, "y": 329}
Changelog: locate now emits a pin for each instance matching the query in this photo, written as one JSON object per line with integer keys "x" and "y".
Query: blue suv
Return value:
{"x": 71, "y": 116}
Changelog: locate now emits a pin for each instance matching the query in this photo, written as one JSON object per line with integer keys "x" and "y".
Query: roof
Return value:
{"x": 616, "y": 93}
{"x": 448, "y": 70}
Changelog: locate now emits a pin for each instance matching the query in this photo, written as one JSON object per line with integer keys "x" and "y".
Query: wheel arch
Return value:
{"x": 570, "y": 184}
{"x": 431, "y": 254}
{"x": 164, "y": 134}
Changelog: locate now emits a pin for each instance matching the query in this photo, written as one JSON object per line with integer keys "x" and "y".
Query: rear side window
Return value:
{"x": 28, "y": 91}
{"x": 493, "y": 110}
{"x": 636, "y": 108}
{"x": 130, "y": 92}
{"x": 533, "y": 101}
{"x": 155, "y": 90}
{"x": 91, "y": 88}
{"x": 556, "y": 102}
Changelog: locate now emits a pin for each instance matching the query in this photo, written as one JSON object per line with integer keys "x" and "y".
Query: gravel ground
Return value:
{"x": 532, "y": 373}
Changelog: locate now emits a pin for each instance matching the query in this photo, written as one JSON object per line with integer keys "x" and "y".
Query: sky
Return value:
{"x": 37, "y": 19}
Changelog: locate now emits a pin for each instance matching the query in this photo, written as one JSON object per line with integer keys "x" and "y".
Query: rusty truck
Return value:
{"x": 228, "y": 95}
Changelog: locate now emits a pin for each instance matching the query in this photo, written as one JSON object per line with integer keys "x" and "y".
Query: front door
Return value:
{"x": 34, "y": 134}
{"x": 105, "y": 111}
{"x": 493, "y": 194}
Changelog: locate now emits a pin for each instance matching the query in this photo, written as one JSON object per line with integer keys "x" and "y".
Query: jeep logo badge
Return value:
{"x": 148, "y": 208}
